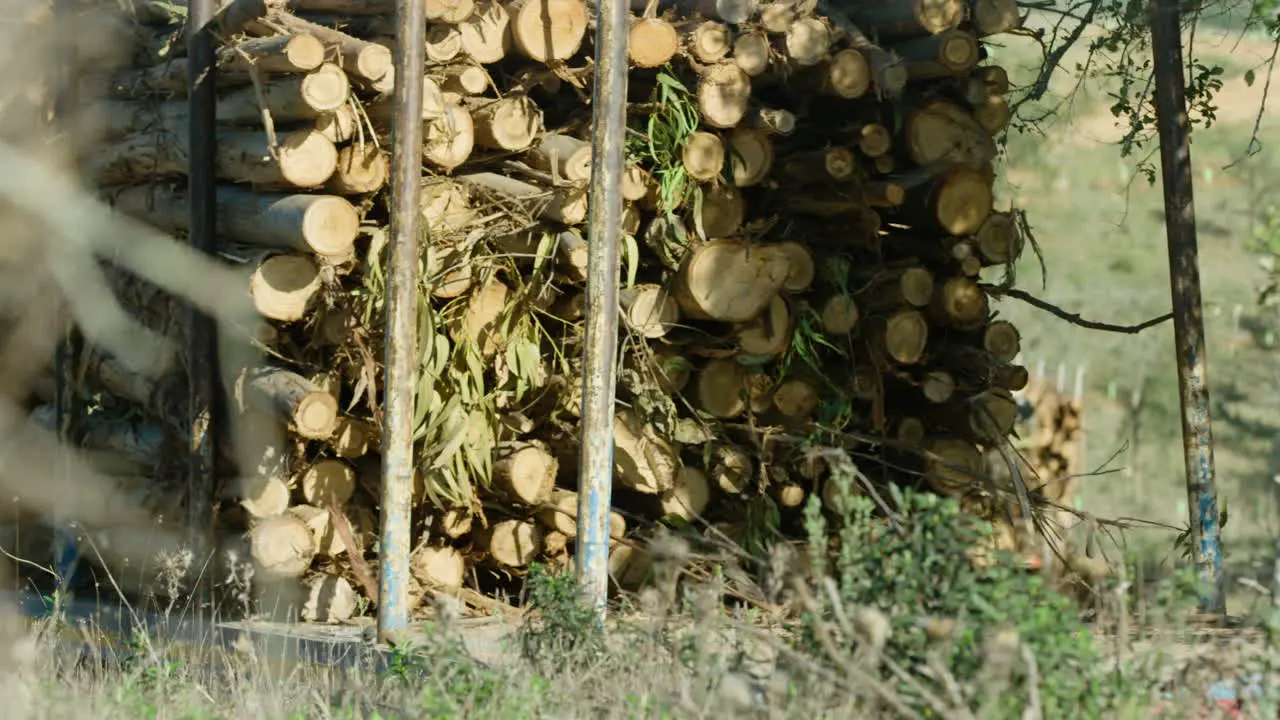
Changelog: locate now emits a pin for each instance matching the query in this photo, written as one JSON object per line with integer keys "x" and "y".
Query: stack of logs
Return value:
{"x": 809, "y": 210}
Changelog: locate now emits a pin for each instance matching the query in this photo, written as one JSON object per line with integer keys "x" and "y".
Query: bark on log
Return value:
{"x": 909, "y": 18}
{"x": 294, "y": 399}
{"x": 564, "y": 156}
{"x": 323, "y": 224}
{"x": 945, "y": 55}
{"x": 563, "y": 205}
{"x": 367, "y": 61}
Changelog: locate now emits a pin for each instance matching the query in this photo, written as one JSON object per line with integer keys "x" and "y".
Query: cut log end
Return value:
{"x": 728, "y": 280}
{"x": 652, "y": 42}
{"x": 651, "y": 310}
{"x": 508, "y": 124}
{"x": 438, "y": 569}
{"x": 514, "y": 543}
{"x": 770, "y": 333}
{"x": 906, "y": 333}
{"x": 962, "y": 303}
{"x": 751, "y": 53}
{"x": 874, "y": 140}
{"x": 264, "y": 496}
{"x": 916, "y": 286}
{"x": 723, "y": 95}
{"x": 750, "y": 156}
{"x": 330, "y": 599}
{"x": 525, "y": 473}
{"x": 807, "y": 41}
{"x": 938, "y": 386}
{"x": 1002, "y": 340}
{"x": 952, "y": 465}
{"x": 361, "y": 170}
{"x": 839, "y": 315}
{"x": 548, "y": 30}
{"x": 283, "y": 287}
{"x": 709, "y": 42}
{"x": 963, "y": 201}
{"x": 703, "y": 156}
{"x": 328, "y": 482}
{"x": 999, "y": 240}
{"x": 690, "y": 496}
{"x": 796, "y": 399}
{"x": 848, "y": 74}
{"x": 282, "y": 546}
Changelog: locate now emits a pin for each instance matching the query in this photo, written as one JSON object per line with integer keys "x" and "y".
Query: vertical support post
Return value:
{"x": 1188, "y": 317}
{"x": 608, "y": 128}
{"x": 201, "y": 331}
{"x": 402, "y": 320}
{"x": 66, "y": 401}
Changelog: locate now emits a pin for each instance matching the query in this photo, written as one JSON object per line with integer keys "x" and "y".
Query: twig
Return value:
{"x": 1074, "y": 318}
{"x": 354, "y": 552}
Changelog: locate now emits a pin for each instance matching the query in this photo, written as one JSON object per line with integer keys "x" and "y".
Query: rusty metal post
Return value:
{"x": 599, "y": 353}
{"x": 202, "y": 350}
{"x": 402, "y": 320}
{"x": 1188, "y": 318}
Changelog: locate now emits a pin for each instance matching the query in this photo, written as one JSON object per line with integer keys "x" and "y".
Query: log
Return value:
{"x": 732, "y": 470}
{"x": 689, "y": 498}
{"x": 808, "y": 41}
{"x": 366, "y": 61}
{"x": 910, "y": 18}
{"x": 361, "y": 169}
{"x": 327, "y": 482}
{"x": 999, "y": 240}
{"x": 569, "y": 250}
{"x": 1002, "y": 340}
{"x": 480, "y": 322}
{"x": 943, "y": 131}
{"x": 319, "y": 520}
{"x": 637, "y": 184}
{"x": 292, "y": 53}
{"x": 894, "y": 289}
{"x": 650, "y": 310}
{"x": 302, "y": 159}
{"x": 818, "y": 166}
{"x": 938, "y": 386}
{"x": 453, "y": 523}
{"x": 724, "y": 91}
{"x": 486, "y": 34}
{"x": 952, "y": 465}
{"x": 263, "y": 496}
{"x": 449, "y": 139}
{"x": 548, "y": 30}
{"x": 513, "y": 543}
{"x": 992, "y": 415}
{"x": 438, "y": 568}
{"x": 643, "y": 461}
{"x": 703, "y": 156}
{"x": 769, "y": 334}
{"x": 904, "y": 335}
{"x": 312, "y": 412}
{"x": 652, "y": 42}
{"x": 801, "y": 270}
{"x": 797, "y": 398}
{"x": 750, "y": 156}
{"x": 752, "y": 53}
{"x": 562, "y": 205}
{"x": 461, "y": 80}
{"x": 847, "y": 75}
{"x": 381, "y": 110}
{"x": 992, "y": 17}
{"x": 284, "y": 287}
{"x": 839, "y": 315}
{"x": 330, "y": 599}
{"x": 708, "y": 41}
{"x": 719, "y": 388}
{"x": 730, "y": 281}
{"x": 323, "y": 224}
{"x": 524, "y": 472}
{"x": 993, "y": 114}
{"x": 960, "y": 303}
{"x": 995, "y": 78}
{"x": 338, "y": 126}
{"x": 512, "y": 123}
{"x": 565, "y": 156}
{"x": 444, "y": 42}
{"x": 351, "y": 439}
{"x": 945, "y": 55}
{"x": 562, "y": 516}
{"x": 874, "y": 141}
{"x": 281, "y": 546}
{"x": 960, "y": 201}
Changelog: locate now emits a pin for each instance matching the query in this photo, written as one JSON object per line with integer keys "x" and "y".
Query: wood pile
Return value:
{"x": 809, "y": 211}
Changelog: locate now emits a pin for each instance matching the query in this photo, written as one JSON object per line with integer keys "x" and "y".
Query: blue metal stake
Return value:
{"x": 595, "y": 484}
{"x": 1188, "y": 316}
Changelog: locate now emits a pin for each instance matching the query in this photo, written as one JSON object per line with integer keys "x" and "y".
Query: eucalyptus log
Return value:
{"x": 324, "y": 224}
{"x": 361, "y": 169}
{"x": 567, "y": 205}
{"x": 486, "y": 33}
{"x": 723, "y": 94}
{"x": 548, "y": 30}
{"x": 730, "y": 281}
{"x": 652, "y": 42}
{"x": 294, "y": 399}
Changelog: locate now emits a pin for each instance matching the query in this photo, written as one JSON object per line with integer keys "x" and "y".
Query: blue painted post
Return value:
{"x": 1188, "y": 317}
{"x": 402, "y": 321}
{"x": 600, "y": 350}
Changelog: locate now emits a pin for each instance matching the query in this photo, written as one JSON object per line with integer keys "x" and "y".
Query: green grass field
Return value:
{"x": 1100, "y": 225}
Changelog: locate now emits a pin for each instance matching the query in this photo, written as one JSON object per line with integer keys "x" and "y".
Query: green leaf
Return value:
{"x": 633, "y": 258}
